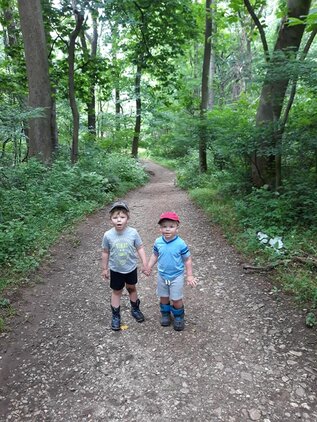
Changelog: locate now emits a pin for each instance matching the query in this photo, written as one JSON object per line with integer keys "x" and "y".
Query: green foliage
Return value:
{"x": 38, "y": 202}
{"x": 187, "y": 172}
{"x": 171, "y": 134}
{"x": 276, "y": 213}
{"x": 304, "y": 284}
{"x": 13, "y": 119}
{"x": 311, "y": 320}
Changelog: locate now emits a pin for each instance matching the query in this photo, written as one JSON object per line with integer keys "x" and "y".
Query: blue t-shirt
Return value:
{"x": 171, "y": 256}
{"x": 122, "y": 247}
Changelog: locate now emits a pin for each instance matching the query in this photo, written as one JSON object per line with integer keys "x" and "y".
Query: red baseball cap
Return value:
{"x": 169, "y": 216}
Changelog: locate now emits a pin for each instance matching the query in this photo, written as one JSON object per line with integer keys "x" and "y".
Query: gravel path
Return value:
{"x": 245, "y": 354}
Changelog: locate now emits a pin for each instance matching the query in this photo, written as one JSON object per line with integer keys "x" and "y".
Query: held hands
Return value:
{"x": 146, "y": 270}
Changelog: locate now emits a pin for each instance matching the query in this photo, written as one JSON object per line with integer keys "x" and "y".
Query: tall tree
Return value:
{"x": 212, "y": 72}
{"x": 205, "y": 91}
{"x": 79, "y": 18}
{"x": 90, "y": 58}
{"x": 36, "y": 58}
{"x": 266, "y": 160}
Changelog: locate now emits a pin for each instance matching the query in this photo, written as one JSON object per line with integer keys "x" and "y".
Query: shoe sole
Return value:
{"x": 139, "y": 320}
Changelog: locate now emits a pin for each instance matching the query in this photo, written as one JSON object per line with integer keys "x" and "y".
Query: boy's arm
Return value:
{"x": 105, "y": 263}
{"x": 142, "y": 255}
{"x": 189, "y": 272}
{"x": 152, "y": 261}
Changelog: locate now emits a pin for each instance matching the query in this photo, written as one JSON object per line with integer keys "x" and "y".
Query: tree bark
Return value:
{"x": 212, "y": 71}
{"x": 92, "y": 101}
{"x": 40, "y": 132}
{"x": 204, "y": 91}
{"x": 266, "y": 161}
{"x": 137, "y": 127}
{"x": 71, "y": 84}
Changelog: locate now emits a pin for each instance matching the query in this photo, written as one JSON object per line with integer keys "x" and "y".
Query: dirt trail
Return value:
{"x": 244, "y": 355}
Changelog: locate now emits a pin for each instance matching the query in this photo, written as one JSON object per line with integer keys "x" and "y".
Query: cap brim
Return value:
{"x": 119, "y": 206}
{"x": 165, "y": 218}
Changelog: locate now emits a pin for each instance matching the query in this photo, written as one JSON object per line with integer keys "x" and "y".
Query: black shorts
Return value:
{"x": 119, "y": 280}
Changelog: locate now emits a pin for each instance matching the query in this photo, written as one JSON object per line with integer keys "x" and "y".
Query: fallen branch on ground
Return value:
{"x": 301, "y": 259}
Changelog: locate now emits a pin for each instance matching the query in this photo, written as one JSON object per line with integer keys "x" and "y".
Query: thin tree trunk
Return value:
{"x": 204, "y": 92}
{"x": 90, "y": 57}
{"x": 118, "y": 108}
{"x": 114, "y": 49}
{"x": 71, "y": 85}
{"x": 212, "y": 72}
{"x": 92, "y": 102}
{"x": 137, "y": 127}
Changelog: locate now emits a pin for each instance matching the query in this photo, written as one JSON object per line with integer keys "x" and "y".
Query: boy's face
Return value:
{"x": 168, "y": 229}
{"x": 119, "y": 220}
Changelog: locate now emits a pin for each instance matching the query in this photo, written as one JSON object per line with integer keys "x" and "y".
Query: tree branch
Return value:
{"x": 294, "y": 85}
{"x": 260, "y": 28}
{"x": 306, "y": 260}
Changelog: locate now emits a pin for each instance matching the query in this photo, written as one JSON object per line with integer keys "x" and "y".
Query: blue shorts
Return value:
{"x": 170, "y": 288}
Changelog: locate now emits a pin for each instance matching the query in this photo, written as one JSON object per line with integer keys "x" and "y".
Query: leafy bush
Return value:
{"x": 38, "y": 202}
{"x": 277, "y": 213}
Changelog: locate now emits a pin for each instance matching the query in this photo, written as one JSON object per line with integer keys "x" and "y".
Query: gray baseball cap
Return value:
{"x": 119, "y": 204}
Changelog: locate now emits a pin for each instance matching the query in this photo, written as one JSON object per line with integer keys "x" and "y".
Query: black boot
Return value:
{"x": 179, "y": 323}
{"x": 116, "y": 319}
{"x": 135, "y": 311}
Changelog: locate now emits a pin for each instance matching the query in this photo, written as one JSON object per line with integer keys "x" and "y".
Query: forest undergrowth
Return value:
{"x": 39, "y": 203}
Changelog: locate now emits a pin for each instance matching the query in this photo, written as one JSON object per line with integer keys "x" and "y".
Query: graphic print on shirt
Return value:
{"x": 121, "y": 251}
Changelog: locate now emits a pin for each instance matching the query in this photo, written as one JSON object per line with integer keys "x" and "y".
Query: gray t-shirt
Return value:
{"x": 122, "y": 248}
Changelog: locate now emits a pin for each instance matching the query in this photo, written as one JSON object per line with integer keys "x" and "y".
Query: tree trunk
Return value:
{"x": 71, "y": 85}
{"x": 118, "y": 108}
{"x": 10, "y": 32}
{"x": 204, "y": 92}
{"x": 92, "y": 102}
{"x": 40, "y": 132}
{"x": 266, "y": 161}
{"x": 212, "y": 71}
{"x": 114, "y": 50}
{"x": 137, "y": 127}
{"x": 90, "y": 57}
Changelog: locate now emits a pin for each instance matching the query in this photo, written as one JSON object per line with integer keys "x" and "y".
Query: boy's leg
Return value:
{"x": 115, "y": 308}
{"x": 116, "y": 284}
{"x": 178, "y": 312}
{"x": 163, "y": 293}
{"x": 165, "y": 309}
{"x": 131, "y": 281}
{"x": 177, "y": 287}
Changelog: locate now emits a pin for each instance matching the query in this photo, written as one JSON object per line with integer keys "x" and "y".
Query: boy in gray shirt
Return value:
{"x": 121, "y": 244}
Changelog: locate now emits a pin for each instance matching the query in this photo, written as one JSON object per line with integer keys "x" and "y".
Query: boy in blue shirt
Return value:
{"x": 172, "y": 256}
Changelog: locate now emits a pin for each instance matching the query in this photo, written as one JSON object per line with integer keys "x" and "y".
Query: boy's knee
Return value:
{"x": 117, "y": 292}
{"x": 178, "y": 303}
{"x": 131, "y": 289}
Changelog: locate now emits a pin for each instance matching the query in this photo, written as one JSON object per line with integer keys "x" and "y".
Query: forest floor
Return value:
{"x": 245, "y": 353}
